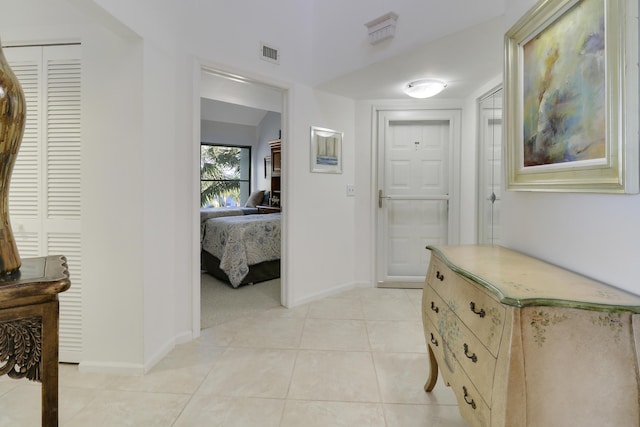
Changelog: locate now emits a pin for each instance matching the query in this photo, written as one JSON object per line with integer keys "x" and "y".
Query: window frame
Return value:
{"x": 241, "y": 202}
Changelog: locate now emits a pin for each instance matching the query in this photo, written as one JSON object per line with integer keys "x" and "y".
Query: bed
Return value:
{"x": 250, "y": 208}
{"x": 208, "y": 213}
{"x": 242, "y": 249}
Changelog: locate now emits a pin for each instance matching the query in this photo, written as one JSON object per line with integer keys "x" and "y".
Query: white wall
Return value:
{"x": 112, "y": 173}
{"x": 112, "y": 178}
{"x": 320, "y": 243}
{"x": 35, "y": 21}
{"x": 139, "y": 90}
{"x": 232, "y": 39}
{"x": 133, "y": 182}
{"x": 597, "y": 235}
{"x": 158, "y": 196}
{"x": 186, "y": 299}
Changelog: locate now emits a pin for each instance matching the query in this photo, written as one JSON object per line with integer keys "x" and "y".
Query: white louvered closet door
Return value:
{"x": 45, "y": 191}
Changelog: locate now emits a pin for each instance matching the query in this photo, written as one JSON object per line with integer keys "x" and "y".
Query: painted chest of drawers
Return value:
{"x": 525, "y": 343}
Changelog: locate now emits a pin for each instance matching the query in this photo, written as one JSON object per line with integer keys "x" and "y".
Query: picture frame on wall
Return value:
{"x": 267, "y": 166}
{"x": 571, "y": 98}
{"x": 326, "y": 150}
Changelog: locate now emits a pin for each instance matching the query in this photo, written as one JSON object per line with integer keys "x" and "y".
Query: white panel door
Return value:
{"x": 414, "y": 189}
{"x": 45, "y": 189}
{"x": 489, "y": 168}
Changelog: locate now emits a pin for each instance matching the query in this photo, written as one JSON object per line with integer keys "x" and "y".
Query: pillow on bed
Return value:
{"x": 254, "y": 199}
{"x": 265, "y": 199}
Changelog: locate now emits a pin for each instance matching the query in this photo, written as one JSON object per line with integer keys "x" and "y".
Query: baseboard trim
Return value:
{"x": 401, "y": 285}
{"x": 111, "y": 368}
{"x": 134, "y": 368}
{"x": 329, "y": 292}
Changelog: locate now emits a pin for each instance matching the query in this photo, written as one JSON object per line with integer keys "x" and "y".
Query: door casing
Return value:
{"x": 445, "y": 111}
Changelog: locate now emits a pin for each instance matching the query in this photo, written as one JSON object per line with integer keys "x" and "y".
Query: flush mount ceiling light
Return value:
{"x": 424, "y": 88}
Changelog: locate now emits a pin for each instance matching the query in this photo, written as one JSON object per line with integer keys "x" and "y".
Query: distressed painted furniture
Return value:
{"x": 525, "y": 343}
{"x": 29, "y": 326}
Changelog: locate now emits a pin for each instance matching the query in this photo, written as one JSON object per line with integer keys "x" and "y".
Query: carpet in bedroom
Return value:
{"x": 221, "y": 303}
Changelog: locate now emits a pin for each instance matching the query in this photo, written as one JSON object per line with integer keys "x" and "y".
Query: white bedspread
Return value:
{"x": 208, "y": 213}
{"x": 241, "y": 241}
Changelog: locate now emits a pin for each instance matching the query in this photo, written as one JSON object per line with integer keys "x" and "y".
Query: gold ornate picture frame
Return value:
{"x": 571, "y": 98}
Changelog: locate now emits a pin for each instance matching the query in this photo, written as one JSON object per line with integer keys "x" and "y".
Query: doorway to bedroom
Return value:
{"x": 239, "y": 112}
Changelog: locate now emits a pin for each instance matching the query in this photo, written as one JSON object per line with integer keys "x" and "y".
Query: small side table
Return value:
{"x": 29, "y": 310}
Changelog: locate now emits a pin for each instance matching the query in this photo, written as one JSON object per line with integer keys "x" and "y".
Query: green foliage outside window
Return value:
{"x": 222, "y": 175}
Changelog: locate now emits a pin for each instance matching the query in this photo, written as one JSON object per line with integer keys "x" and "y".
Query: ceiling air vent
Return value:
{"x": 382, "y": 28}
{"x": 269, "y": 53}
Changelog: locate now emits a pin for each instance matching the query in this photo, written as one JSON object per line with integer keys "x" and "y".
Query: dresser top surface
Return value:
{"x": 520, "y": 280}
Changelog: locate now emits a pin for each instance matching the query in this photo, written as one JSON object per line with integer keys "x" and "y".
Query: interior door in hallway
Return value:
{"x": 414, "y": 192}
{"x": 489, "y": 167}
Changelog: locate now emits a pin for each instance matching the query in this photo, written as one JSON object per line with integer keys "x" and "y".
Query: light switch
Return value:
{"x": 351, "y": 190}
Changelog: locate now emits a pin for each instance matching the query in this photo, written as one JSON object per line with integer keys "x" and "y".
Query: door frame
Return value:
{"x": 455, "y": 109}
{"x": 285, "y": 119}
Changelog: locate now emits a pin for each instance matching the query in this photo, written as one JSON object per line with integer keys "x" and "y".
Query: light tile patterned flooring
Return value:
{"x": 355, "y": 359}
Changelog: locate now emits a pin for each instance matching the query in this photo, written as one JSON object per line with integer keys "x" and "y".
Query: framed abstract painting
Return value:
{"x": 571, "y": 98}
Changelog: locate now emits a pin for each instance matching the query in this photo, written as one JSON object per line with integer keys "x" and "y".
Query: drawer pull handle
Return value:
{"x": 434, "y": 307}
{"x": 473, "y": 356}
{"x": 466, "y": 395}
{"x": 439, "y": 276}
{"x": 472, "y": 306}
{"x": 434, "y": 341}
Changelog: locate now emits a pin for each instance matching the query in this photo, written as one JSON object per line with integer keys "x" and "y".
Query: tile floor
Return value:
{"x": 354, "y": 359}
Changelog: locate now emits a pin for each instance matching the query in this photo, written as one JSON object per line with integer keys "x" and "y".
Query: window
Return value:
{"x": 225, "y": 175}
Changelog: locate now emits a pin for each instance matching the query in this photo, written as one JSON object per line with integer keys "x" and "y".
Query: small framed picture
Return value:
{"x": 267, "y": 166}
{"x": 326, "y": 150}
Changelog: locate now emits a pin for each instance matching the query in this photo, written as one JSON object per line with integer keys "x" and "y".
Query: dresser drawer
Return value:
{"x": 434, "y": 340}
{"x": 445, "y": 357}
{"x": 446, "y": 323}
{"x": 464, "y": 346}
{"x": 477, "y": 362}
{"x": 471, "y": 405}
{"x": 564, "y": 348}
{"x": 476, "y": 308}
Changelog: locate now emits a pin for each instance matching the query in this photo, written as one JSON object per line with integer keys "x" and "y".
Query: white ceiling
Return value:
{"x": 465, "y": 60}
{"x": 459, "y": 41}
{"x": 230, "y": 113}
{"x": 235, "y": 100}
{"x": 342, "y": 52}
